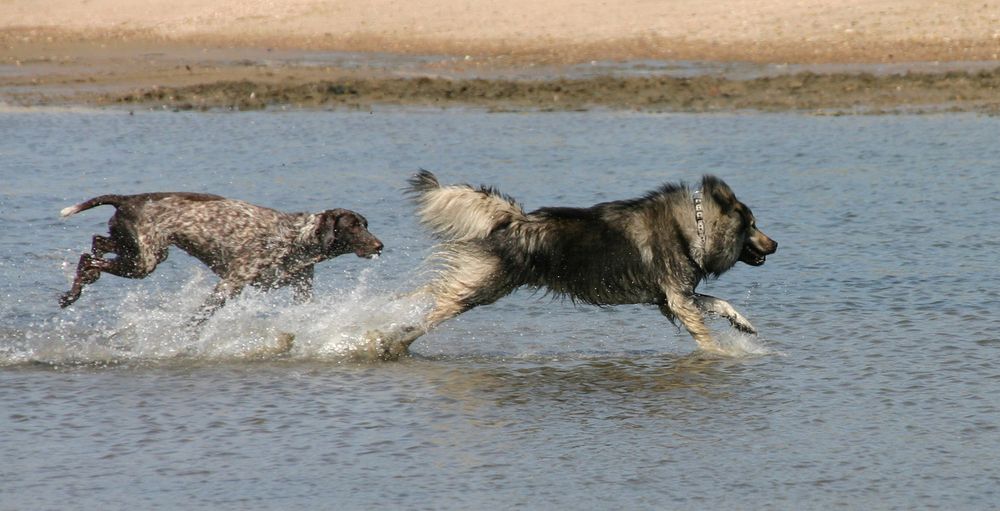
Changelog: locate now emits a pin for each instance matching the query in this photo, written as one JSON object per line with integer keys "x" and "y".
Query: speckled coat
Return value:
{"x": 242, "y": 243}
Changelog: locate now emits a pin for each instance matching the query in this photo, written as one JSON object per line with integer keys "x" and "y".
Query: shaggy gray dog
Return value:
{"x": 654, "y": 250}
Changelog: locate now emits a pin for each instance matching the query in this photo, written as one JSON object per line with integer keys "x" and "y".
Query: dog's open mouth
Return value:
{"x": 752, "y": 256}
{"x": 368, "y": 254}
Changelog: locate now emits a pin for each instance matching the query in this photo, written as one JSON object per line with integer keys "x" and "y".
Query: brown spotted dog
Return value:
{"x": 242, "y": 243}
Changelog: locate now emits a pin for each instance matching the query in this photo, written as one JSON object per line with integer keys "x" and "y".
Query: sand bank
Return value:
{"x": 112, "y": 51}
{"x": 746, "y": 30}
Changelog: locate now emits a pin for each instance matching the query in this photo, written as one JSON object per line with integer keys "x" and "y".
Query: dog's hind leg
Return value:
{"x": 471, "y": 278}
{"x": 389, "y": 344}
{"x": 87, "y": 272}
{"x": 392, "y": 344}
{"x": 90, "y": 267}
{"x": 134, "y": 260}
{"x": 720, "y": 307}
{"x": 102, "y": 245}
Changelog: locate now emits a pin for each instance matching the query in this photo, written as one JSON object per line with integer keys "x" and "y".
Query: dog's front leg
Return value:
{"x": 720, "y": 307}
{"x": 223, "y": 291}
{"x": 302, "y": 285}
{"x": 683, "y": 307}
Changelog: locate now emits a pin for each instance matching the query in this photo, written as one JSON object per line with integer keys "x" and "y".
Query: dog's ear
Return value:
{"x": 326, "y": 231}
{"x": 719, "y": 191}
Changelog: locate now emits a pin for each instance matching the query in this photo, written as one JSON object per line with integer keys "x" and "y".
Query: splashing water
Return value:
{"x": 151, "y": 325}
{"x": 737, "y": 344}
{"x": 154, "y": 326}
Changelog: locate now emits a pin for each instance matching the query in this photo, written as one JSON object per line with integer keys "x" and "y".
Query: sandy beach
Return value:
{"x": 114, "y": 51}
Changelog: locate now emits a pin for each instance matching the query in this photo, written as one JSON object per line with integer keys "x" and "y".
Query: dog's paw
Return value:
{"x": 742, "y": 324}
{"x": 285, "y": 342}
{"x": 68, "y": 298}
{"x": 379, "y": 345}
{"x": 283, "y": 345}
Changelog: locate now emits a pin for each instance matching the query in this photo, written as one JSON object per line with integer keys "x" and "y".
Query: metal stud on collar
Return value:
{"x": 699, "y": 214}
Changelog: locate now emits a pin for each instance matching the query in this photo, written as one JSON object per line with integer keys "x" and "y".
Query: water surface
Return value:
{"x": 873, "y": 383}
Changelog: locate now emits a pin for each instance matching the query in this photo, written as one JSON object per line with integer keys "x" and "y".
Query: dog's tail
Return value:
{"x": 461, "y": 212}
{"x": 113, "y": 200}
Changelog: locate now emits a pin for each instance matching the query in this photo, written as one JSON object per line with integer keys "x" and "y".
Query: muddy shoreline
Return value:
{"x": 678, "y": 56}
{"x": 151, "y": 74}
{"x": 834, "y": 93}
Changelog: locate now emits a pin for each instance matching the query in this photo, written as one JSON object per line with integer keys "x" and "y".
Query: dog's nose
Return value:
{"x": 378, "y": 246}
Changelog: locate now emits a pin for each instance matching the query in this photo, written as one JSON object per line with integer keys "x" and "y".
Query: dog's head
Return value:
{"x": 341, "y": 231}
{"x": 734, "y": 232}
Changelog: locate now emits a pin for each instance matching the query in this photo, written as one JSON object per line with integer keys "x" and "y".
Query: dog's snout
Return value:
{"x": 771, "y": 245}
{"x": 764, "y": 243}
{"x": 368, "y": 246}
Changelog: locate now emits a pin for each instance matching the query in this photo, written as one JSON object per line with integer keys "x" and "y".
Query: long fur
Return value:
{"x": 461, "y": 212}
{"x": 645, "y": 250}
{"x": 610, "y": 253}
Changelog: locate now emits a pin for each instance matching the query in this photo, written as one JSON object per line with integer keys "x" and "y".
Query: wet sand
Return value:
{"x": 828, "y": 94}
{"x": 867, "y": 57}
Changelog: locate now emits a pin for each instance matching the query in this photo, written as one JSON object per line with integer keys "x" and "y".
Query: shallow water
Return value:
{"x": 873, "y": 383}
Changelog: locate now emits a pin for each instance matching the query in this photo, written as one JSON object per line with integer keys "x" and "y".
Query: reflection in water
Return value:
{"x": 583, "y": 384}
{"x": 873, "y": 384}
